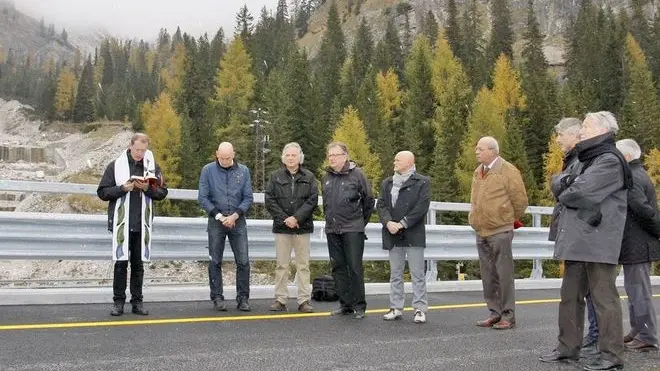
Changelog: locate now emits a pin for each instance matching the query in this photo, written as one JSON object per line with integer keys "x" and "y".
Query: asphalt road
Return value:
{"x": 191, "y": 336}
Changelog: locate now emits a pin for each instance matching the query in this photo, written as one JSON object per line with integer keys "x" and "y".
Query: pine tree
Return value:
{"x": 217, "y": 47}
{"x": 501, "y": 35}
{"x": 541, "y": 92}
{"x": 654, "y": 49}
{"x": 388, "y": 53}
{"x": 452, "y": 91}
{"x": 350, "y": 131}
{"x": 639, "y": 25}
{"x": 472, "y": 52}
{"x": 419, "y": 105}
{"x": 640, "y": 117}
{"x": 430, "y": 27}
{"x": 330, "y": 61}
{"x": 610, "y": 81}
{"x": 485, "y": 120}
{"x": 163, "y": 126}
{"x": 244, "y": 24}
{"x": 452, "y": 29}
{"x": 65, "y": 94}
{"x": 84, "y": 110}
{"x": 389, "y": 98}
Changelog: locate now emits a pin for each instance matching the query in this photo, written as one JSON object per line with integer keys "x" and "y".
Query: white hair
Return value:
{"x": 492, "y": 144}
{"x": 569, "y": 125}
{"x": 293, "y": 145}
{"x": 629, "y": 147}
{"x": 604, "y": 120}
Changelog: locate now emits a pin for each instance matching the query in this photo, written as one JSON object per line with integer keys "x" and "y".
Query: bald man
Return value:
{"x": 498, "y": 199}
{"x": 225, "y": 193}
{"x": 402, "y": 206}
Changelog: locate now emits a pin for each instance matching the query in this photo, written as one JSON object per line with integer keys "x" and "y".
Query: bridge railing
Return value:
{"x": 78, "y": 236}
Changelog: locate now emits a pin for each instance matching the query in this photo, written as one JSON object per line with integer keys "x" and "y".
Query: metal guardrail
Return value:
{"x": 73, "y": 236}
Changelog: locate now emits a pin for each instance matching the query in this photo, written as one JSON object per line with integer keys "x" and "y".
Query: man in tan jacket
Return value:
{"x": 498, "y": 200}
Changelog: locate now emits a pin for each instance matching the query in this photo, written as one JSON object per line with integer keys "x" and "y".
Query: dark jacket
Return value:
{"x": 347, "y": 199}
{"x": 292, "y": 195}
{"x": 108, "y": 190}
{"x": 639, "y": 244}
{"x": 411, "y": 206}
{"x": 225, "y": 190}
{"x": 591, "y": 225}
{"x": 571, "y": 165}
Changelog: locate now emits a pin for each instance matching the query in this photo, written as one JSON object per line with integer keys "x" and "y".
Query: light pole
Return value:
{"x": 260, "y": 149}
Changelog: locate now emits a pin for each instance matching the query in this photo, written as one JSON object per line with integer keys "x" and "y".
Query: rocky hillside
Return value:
{"x": 553, "y": 16}
{"x": 22, "y": 35}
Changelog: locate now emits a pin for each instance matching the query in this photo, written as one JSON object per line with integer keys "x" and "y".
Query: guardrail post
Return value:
{"x": 431, "y": 265}
{"x": 537, "y": 264}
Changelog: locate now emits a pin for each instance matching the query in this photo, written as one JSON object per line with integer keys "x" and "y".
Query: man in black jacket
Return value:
{"x": 291, "y": 197}
{"x": 640, "y": 247}
{"x": 347, "y": 203}
{"x": 136, "y": 174}
{"x": 402, "y": 206}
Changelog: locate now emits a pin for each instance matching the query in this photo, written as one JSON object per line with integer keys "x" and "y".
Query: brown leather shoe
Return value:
{"x": 504, "y": 325}
{"x": 488, "y": 322}
{"x": 640, "y": 346}
{"x": 306, "y": 307}
{"x": 628, "y": 338}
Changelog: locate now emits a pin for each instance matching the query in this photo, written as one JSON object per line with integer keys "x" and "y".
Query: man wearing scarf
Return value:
{"x": 589, "y": 237}
{"x": 402, "y": 206}
{"x": 498, "y": 200}
{"x": 130, "y": 183}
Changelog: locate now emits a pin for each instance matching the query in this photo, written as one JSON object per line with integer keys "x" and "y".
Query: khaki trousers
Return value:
{"x": 300, "y": 244}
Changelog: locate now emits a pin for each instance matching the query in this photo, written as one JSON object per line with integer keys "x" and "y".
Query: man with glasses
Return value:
{"x": 347, "y": 203}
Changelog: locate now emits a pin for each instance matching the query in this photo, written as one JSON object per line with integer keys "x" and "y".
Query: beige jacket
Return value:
{"x": 498, "y": 198}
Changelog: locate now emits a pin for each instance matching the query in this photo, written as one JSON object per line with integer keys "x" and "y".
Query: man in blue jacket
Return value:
{"x": 225, "y": 193}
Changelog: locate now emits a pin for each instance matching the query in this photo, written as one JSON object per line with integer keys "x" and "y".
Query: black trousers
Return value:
{"x": 598, "y": 280}
{"x": 137, "y": 272}
{"x": 346, "y": 252}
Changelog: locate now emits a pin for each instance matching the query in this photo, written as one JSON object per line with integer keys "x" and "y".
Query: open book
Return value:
{"x": 151, "y": 179}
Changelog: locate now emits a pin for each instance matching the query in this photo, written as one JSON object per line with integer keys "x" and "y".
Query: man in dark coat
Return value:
{"x": 291, "y": 197}
{"x": 402, "y": 206}
{"x": 640, "y": 247}
{"x": 589, "y": 240}
{"x": 347, "y": 203}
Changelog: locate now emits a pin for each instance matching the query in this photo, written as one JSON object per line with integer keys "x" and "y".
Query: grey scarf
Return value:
{"x": 397, "y": 182}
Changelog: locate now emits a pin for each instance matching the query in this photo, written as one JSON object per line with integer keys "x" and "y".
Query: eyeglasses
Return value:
{"x": 333, "y": 155}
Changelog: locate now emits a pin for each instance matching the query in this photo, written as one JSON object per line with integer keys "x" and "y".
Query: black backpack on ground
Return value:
{"x": 323, "y": 289}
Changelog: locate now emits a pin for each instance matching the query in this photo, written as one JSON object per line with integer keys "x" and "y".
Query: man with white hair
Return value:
{"x": 639, "y": 248}
{"x": 225, "y": 193}
{"x": 498, "y": 200}
{"x": 291, "y": 197}
{"x": 589, "y": 241}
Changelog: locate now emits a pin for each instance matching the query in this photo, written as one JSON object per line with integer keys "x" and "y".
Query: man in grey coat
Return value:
{"x": 589, "y": 240}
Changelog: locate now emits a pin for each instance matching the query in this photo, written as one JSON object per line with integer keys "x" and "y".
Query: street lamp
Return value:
{"x": 261, "y": 148}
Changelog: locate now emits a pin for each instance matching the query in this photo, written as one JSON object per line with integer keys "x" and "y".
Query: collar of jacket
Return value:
{"x": 233, "y": 166}
{"x": 348, "y": 166}
{"x": 413, "y": 177}
{"x": 284, "y": 171}
{"x": 634, "y": 164}
{"x": 497, "y": 167}
{"x": 569, "y": 157}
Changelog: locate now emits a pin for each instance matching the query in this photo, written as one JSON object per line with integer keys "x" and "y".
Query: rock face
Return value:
{"x": 553, "y": 17}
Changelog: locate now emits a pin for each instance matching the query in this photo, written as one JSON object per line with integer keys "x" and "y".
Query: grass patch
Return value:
{"x": 86, "y": 204}
{"x": 87, "y": 176}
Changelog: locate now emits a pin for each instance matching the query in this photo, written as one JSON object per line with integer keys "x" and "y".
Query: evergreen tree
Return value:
{"x": 244, "y": 24}
{"x": 65, "y": 94}
{"x": 611, "y": 62}
{"x": 330, "y": 61}
{"x": 640, "y": 118}
{"x": 541, "y": 92}
{"x": 472, "y": 51}
{"x": 388, "y": 53}
{"x": 217, "y": 48}
{"x": 452, "y": 91}
{"x": 163, "y": 126}
{"x": 84, "y": 110}
{"x": 430, "y": 27}
{"x": 639, "y": 25}
{"x": 419, "y": 105}
{"x": 501, "y": 35}
{"x": 356, "y": 67}
{"x": 452, "y": 29}
{"x": 391, "y": 138}
{"x": 654, "y": 49}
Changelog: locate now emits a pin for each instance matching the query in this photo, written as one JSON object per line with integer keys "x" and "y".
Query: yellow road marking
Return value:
{"x": 166, "y": 321}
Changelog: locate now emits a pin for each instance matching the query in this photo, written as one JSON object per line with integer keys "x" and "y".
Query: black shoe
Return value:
{"x": 602, "y": 365}
{"x": 117, "y": 309}
{"x": 243, "y": 305}
{"x": 219, "y": 305}
{"x": 555, "y": 357}
{"x": 139, "y": 310}
{"x": 359, "y": 314}
{"x": 342, "y": 311}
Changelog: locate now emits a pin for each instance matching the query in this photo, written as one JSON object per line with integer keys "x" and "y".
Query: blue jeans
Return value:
{"x": 592, "y": 336}
{"x": 218, "y": 234}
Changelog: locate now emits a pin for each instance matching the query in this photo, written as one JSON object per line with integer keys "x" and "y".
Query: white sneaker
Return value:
{"x": 419, "y": 317}
{"x": 392, "y": 315}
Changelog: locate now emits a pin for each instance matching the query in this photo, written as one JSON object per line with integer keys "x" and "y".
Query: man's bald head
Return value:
{"x": 404, "y": 161}
{"x": 225, "y": 154}
{"x": 487, "y": 150}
